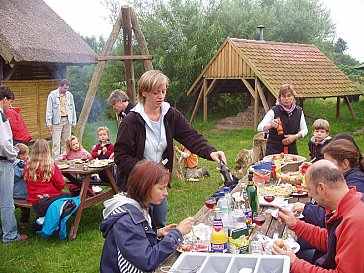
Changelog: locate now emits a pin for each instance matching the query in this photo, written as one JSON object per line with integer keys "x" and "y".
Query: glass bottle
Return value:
{"x": 279, "y": 127}
{"x": 252, "y": 192}
{"x": 225, "y": 172}
{"x": 248, "y": 211}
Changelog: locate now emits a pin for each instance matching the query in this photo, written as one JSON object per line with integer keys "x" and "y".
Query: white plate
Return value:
{"x": 299, "y": 194}
{"x": 293, "y": 245}
{"x": 98, "y": 165}
{"x": 63, "y": 166}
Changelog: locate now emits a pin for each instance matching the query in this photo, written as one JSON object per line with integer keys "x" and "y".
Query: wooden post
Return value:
{"x": 256, "y": 103}
{"x": 96, "y": 78}
{"x": 338, "y": 107}
{"x": 196, "y": 105}
{"x": 127, "y": 37}
{"x": 140, "y": 39}
{"x": 204, "y": 89}
{"x": 351, "y": 110}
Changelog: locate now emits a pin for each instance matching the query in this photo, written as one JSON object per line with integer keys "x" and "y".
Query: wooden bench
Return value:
{"x": 22, "y": 203}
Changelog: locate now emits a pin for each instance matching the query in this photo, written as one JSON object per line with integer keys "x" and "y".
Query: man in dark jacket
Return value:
{"x": 119, "y": 101}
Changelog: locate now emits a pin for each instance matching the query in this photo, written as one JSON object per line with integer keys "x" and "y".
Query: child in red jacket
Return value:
{"x": 104, "y": 149}
{"x": 41, "y": 174}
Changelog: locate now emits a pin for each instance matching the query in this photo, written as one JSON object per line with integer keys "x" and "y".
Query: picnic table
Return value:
{"x": 270, "y": 227}
{"x": 89, "y": 198}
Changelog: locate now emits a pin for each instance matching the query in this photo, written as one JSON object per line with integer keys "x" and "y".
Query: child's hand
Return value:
{"x": 104, "y": 150}
{"x": 112, "y": 156}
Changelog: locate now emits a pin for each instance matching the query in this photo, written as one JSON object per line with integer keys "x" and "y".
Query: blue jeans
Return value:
{"x": 8, "y": 221}
{"x": 160, "y": 214}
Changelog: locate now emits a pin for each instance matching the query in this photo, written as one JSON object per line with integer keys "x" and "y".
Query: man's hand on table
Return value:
{"x": 286, "y": 216}
{"x": 298, "y": 207}
{"x": 284, "y": 251}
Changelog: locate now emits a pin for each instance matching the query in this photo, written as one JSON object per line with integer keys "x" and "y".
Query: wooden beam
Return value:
{"x": 212, "y": 85}
{"x": 256, "y": 103}
{"x": 96, "y": 78}
{"x": 196, "y": 105}
{"x": 128, "y": 50}
{"x": 249, "y": 87}
{"x": 123, "y": 58}
{"x": 350, "y": 106}
{"x": 262, "y": 97}
{"x": 205, "y": 100}
{"x": 6, "y": 54}
{"x": 337, "y": 107}
{"x": 140, "y": 39}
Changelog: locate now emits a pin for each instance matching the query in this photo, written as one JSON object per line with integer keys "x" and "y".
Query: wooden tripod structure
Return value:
{"x": 126, "y": 19}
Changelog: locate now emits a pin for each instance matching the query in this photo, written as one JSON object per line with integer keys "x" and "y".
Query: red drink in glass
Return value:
{"x": 210, "y": 203}
{"x": 269, "y": 198}
{"x": 259, "y": 220}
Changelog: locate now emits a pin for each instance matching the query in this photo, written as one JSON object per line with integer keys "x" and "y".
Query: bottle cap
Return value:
{"x": 221, "y": 193}
{"x": 226, "y": 189}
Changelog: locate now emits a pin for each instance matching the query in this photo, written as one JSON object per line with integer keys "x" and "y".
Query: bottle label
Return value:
{"x": 249, "y": 218}
{"x": 221, "y": 248}
{"x": 218, "y": 224}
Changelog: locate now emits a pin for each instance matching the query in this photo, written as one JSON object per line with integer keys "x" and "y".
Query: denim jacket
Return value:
{"x": 53, "y": 112}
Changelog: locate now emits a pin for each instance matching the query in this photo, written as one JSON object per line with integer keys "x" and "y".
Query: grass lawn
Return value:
{"x": 185, "y": 199}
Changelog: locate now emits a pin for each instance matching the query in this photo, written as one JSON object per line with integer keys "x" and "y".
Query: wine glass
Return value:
{"x": 269, "y": 197}
{"x": 84, "y": 158}
{"x": 210, "y": 204}
{"x": 258, "y": 219}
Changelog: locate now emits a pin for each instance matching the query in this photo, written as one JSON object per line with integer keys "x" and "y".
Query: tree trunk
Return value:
{"x": 96, "y": 78}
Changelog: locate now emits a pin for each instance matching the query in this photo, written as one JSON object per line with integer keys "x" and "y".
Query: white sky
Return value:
{"x": 90, "y": 17}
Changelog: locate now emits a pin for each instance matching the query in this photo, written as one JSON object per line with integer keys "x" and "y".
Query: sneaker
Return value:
{"x": 205, "y": 171}
{"x": 96, "y": 189}
{"x": 23, "y": 237}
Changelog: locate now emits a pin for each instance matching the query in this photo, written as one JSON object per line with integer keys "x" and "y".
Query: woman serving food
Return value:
{"x": 285, "y": 123}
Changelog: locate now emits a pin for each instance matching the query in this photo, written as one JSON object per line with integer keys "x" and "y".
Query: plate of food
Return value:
{"x": 198, "y": 246}
{"x": 63, "y": 166}
{"x": 290, "y": 177}
{"x": 78, "y": 161}
{"x": 298, "y": 190}
{"x": 97, "y": 164}
{"x": 290, "y": 242}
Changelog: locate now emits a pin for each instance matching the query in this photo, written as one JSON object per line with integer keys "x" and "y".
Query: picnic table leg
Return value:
{"x": 112, "y": 180}
{"x": 82, "y": 197}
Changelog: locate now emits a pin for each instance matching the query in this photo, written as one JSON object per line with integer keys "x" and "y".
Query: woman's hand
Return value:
{"x": 161, "y": 232}
{"x": 185, "y": 225}
{"x": 218, "y": 155}
{"x": 288, "y": 139}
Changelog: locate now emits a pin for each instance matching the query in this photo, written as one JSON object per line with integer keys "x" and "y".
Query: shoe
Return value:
{"x": 96, "y": 189}
{"x": 23, "y": 237}
{"x": 193, "y": 180}
{"x": 205, "y": 171}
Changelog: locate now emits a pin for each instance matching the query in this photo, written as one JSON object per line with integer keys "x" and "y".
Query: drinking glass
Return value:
{"x": 210, "y": 204}
{"x": 269, "y": 197}
{"x": 258, "y": 219}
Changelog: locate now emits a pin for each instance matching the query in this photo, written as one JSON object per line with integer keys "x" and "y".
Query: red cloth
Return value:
{"x": 18, "y": 127}
{"x": 95, "y": 151}
{"x": 51, "y": 188}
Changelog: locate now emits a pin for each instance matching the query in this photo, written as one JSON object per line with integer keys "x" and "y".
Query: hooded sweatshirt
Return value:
{"x": 17, "y": 124}
{"x": 131, "y": 242}
{"x": 316, "y": 148}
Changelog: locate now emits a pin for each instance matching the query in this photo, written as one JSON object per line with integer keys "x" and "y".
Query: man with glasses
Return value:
{"x": 119, "y": 101}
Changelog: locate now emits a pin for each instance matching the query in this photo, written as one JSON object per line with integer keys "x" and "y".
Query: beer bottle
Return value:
{"x": 252, "y": 192}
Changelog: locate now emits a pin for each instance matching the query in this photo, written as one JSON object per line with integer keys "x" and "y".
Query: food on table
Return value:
{"x": 62, "y": 166}
{"x": 297, "y": 189}
{"x": 290, "y": 177}
{"x": 96, "y": 163}
{"x": 279, "y": 243}
{"x": 284, "y": 190}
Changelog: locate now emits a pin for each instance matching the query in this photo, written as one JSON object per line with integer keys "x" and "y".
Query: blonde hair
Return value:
{"x": 40, "y": 166}
{"x": 321, "y": 124}
{"x": 287, "y": 87}
{"x": 23, "y": 149}
{"x": 103, "y": 128}
{"x": 69, "y": 144}
{"x": 150, "y": 81}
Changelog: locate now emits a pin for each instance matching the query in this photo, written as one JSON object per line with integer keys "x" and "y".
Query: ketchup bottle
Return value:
{"x": 280, "y": 127}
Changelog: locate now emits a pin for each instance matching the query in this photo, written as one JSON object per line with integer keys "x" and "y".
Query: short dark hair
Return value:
{"x": 5, "y": 92}
{"x": 65, "y": 82}
{"x": 341, "y": 149}
{"x": 143, "y": 177}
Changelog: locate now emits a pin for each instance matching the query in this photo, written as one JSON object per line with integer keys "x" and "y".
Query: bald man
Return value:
{"x": 341, "y": 239}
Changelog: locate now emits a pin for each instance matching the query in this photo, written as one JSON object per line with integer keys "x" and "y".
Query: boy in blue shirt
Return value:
{"x": 20, "y": 187}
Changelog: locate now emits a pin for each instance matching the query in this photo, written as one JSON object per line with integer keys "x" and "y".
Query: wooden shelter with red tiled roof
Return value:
{"x": 261, "y": 67}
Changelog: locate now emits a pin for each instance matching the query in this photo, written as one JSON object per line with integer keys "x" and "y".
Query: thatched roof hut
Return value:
{"x": 36, "y": 46}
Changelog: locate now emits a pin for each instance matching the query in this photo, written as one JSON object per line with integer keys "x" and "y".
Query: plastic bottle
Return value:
{"x": 237, "y": 214}
{"x": 226, "y": 218}
{"x": 280, "y": 127}
{"x": 252, "y": 192}
{"x": 228, "y": 197}
{"x": 222, "y": 200}
{"x": 225, "y": 172}
{"x": 218, "y": 237}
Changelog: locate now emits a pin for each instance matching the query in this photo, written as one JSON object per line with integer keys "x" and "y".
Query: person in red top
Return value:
{"x": 42, "y": 175}
{"x": 19, "y": 129}
{"x": 104, "y": 149}
{"x": 341, "y": 239}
